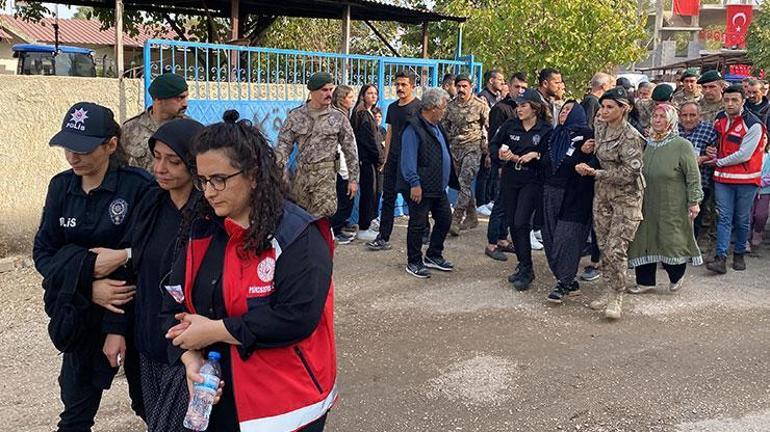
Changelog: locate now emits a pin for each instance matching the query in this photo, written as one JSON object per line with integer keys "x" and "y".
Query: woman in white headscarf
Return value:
{"x": 671, "y": 203}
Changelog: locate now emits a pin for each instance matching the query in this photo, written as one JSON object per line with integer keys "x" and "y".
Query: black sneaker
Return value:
{"x": 515, "y": 276}
{"x": 438, "y": 263}
{"x": 574, "y": 289}
{"x": 558, "y": 293}
{"x": 525, "y": 278}
{"x": 378, "y": 244}
{"x": 739, "y": 262}
{"x": 418, "y": 270}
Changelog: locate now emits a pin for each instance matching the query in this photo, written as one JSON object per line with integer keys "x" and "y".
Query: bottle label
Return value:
{"x": 210, "y": 383}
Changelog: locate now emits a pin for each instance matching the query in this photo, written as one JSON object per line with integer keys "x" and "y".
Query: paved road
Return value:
{"x": 463, "y": 352}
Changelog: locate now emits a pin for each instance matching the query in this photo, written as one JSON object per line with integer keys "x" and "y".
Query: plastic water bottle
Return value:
{"x": 202, "y": 399}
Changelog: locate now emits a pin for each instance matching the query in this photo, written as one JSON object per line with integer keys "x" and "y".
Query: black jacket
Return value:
{"x": 75, "y": 325}
{"x": 367, "y": 137}
{"x": 521, "y": 142}
{"x": 579, "y": 190}
{"x": 429, "y": 162}
{"x": 502, "y": 111}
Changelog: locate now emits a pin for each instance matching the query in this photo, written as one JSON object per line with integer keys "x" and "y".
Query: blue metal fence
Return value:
{"x": 263, "y": 84}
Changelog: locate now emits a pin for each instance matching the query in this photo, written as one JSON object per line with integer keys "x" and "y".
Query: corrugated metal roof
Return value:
{"x": 73, "y": 31}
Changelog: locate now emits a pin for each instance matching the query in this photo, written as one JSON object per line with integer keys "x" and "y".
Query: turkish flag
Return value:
{"x": 738, "y": 21}
{"x": 686, "y": 7}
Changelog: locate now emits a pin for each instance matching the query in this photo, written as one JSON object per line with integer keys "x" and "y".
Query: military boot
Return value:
{"x": 600, "y": 303}
{"x": 457, "y": 218}
{"x": 471, "y": 218}
{"x": 614, "y": 305}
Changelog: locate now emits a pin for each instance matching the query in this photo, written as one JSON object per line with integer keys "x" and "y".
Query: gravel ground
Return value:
{"x": 463, "y": 352}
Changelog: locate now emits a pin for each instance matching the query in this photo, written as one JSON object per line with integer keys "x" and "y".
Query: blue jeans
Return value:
{"x": 734, "y": 207}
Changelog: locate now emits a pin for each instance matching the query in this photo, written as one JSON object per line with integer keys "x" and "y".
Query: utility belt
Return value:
{"x": 319, "y": 166}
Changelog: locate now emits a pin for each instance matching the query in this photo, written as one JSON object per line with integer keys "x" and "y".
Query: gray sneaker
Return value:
{"x": 590, "y": 273}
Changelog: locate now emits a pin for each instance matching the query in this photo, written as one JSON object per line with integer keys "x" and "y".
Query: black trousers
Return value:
{"x": 344, "y": 206}
{"x": 645, "y": 274}
{"x": 521, "y": 202}
{"x": 483, "y": 178}
{"x": 389, "y": 194}
{"x": 367, "y": 199}
{"x": 81, "y": 396}
{"x": 698, "y": 222}
{"x": 497, "y": 229}
{"x": 418, "y": 219}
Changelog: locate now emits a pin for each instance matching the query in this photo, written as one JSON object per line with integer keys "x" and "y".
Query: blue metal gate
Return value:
{"x": 264, "y": 84}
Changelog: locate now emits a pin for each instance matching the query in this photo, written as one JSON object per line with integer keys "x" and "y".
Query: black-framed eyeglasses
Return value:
{"x": 218, "y": 182}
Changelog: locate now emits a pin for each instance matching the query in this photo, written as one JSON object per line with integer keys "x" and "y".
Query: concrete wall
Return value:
{"x": 34, "y": 107}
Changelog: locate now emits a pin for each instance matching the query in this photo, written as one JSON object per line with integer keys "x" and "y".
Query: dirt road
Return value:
{"x": 463, "y": 352}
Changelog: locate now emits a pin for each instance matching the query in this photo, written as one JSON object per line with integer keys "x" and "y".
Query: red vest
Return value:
{"x": 730, "y": 139}
{"x": 276, "y": 389}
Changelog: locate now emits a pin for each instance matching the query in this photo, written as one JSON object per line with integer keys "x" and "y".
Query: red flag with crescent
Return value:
{"x": 686, "y": 7}
{"x": 738, "y": 21}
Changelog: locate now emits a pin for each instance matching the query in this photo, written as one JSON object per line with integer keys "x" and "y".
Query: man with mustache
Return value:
{"x": 466, "y": 122}
{"x": 318, "y": 130}
{"x": 169, "y": 101}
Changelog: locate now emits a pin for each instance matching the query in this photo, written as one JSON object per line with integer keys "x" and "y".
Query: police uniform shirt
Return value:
{"x": 98, "y": 218}
{"x": 521, "y": 142}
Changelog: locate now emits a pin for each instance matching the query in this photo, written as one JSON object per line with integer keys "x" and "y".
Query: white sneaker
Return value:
{"x": 538, "y": 235}
{"x": 375, "y": 225}
{"x": 483, "y": 210}
{"x": 367, "y": 235}
{"x": 534, "y": 242}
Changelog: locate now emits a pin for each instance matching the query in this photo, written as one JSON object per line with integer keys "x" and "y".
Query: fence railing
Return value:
{"x": 236, "y": 73}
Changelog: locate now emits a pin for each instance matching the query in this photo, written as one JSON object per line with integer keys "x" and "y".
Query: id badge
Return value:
{"x": 570, "y": 151}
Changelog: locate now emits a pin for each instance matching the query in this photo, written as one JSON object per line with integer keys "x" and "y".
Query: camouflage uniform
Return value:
{"x": 618, "y": 198}
{"x": 709, "y": 111}
{"x": 681, "y": 97}
{"x": 644, "y": 108}
{"x": 135, "y": 135}
{"x": 313, "y": 182}
{"x": 465, "y": 124}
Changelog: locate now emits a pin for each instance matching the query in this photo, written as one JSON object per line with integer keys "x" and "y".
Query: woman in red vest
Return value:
{"x": 255, "y": 280}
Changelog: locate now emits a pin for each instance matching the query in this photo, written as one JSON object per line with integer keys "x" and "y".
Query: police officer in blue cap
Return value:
{"x": 89, "y": 207}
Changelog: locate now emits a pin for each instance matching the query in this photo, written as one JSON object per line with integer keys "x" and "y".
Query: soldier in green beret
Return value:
{"x": 466, "y": 121}
{"x": 169, "y": 101}
{"x": 712, "y": 86}
{"x": 689, "y": 91}
{"x": 319, "y": 131}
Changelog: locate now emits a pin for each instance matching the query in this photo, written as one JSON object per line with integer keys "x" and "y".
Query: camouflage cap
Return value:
{"x": 710, "y": 76}
{"x": 618, "y": 94}
{"x": 662, "y": 93}
{"x": 463, "y": 77}
{"x": 318, "y": 80}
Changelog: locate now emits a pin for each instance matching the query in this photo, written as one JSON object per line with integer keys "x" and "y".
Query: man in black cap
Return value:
{"x": 319, "y": 131}
{"x": 169, "y": 101}
{"x": 712, "y": 86}
{"x": 689, "y": 91}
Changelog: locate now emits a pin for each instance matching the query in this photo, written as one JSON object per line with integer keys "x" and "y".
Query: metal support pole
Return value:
{"x": 459, "y": 46}
{"x": 234, "y": 19}
{"x": 346, "y": 43}
{"x": 119, "y": 38}
{"x": 425, "y": 40}
{"x": 656, "y": 42}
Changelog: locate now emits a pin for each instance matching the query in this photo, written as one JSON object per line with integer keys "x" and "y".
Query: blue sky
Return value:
{"x": 64, "y": 11}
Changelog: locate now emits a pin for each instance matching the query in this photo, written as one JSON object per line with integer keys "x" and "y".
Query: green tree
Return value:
{"x": 578, "y": 37}
{"x": 758, "y": 38}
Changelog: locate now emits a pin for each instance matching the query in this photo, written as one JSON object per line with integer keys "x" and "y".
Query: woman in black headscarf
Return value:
{"x": 567, "y": 198}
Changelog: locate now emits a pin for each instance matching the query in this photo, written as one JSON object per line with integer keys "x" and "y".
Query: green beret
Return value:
{"x": 689, "y": 73}
{"x": 662, "y": 93}
{"x": 463, "y": 77}
{"x": 167, "y": 86}
{"x": 710, "y": 76}
{"x": 318, "y": 80}
{"x": 618, "y": 94}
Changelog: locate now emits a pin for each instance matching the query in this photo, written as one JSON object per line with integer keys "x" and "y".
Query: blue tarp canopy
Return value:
{"x": 51, "y": 49}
